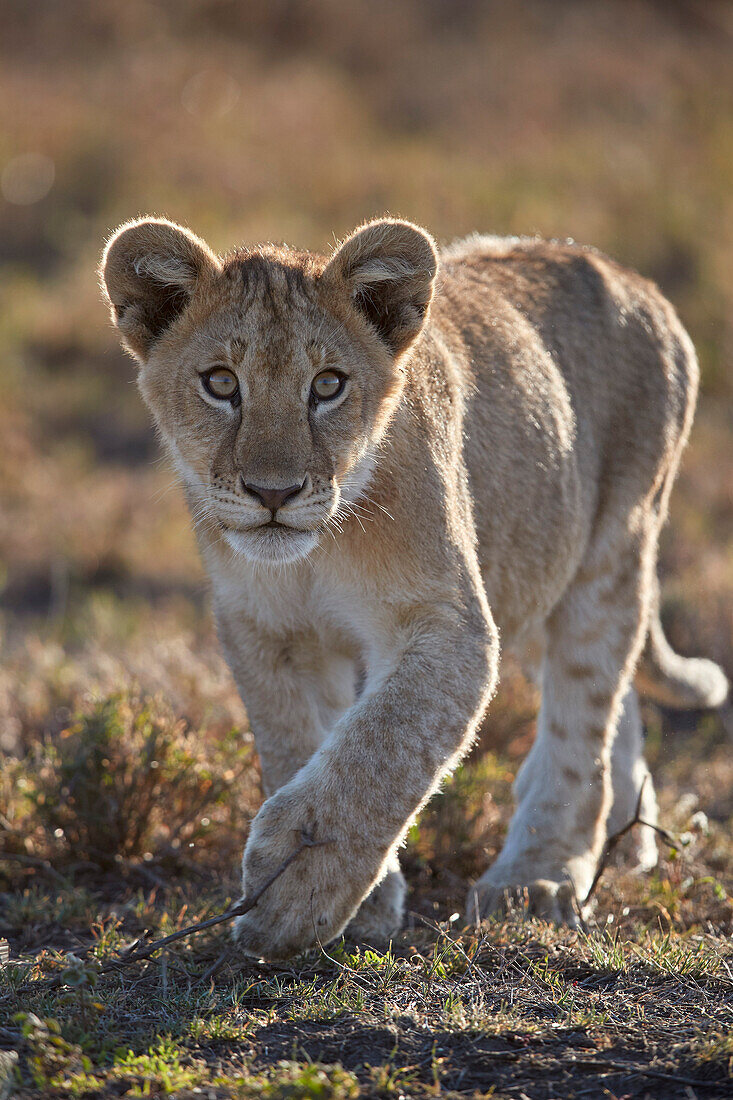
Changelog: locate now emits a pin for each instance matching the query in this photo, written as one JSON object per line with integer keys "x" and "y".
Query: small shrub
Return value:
{"x": 460, "y": 823}
{"x": 128, "y": 779}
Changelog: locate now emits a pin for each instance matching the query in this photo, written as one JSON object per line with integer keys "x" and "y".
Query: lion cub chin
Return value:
{"x": 392, "y": 458}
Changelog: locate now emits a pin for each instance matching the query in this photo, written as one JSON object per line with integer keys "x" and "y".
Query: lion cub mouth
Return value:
{"x": 270, "y": 543}
{"x": 272, "y": 523}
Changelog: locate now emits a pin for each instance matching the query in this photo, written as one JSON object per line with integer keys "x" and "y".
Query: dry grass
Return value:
{"x": 643, "y": 998}
{"x": 519, "y": 1008}
{"x": 611, "y": 122}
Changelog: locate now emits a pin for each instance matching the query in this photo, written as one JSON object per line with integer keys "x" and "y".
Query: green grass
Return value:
{"x": 627, "y": 1005}
{"x": 439, "y": 1013}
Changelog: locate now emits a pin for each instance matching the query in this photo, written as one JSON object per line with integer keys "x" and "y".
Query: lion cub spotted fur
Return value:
{"x": 492, "y": 463}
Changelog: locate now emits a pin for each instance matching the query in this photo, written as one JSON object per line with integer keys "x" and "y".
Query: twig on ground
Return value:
{"x": 629, "y": 1069}
{"x": 237, "y": 910}
{"x": 619, "y": 835}
{"x": 215, "y": 966}
{"x": 137, "y": 954}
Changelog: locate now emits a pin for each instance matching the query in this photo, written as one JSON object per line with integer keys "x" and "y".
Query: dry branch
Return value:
{"x": 613, "y": 840}
{"x": 138, "y": 953}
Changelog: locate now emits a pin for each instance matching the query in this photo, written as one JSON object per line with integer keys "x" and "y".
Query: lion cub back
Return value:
{"x": 581, "y": 390}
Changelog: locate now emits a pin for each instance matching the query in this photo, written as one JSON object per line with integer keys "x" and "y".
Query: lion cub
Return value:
{"x": 394, "y": 459}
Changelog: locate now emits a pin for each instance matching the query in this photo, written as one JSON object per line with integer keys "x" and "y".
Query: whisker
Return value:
{"x": 174, "y": 483}
{"x": 345, "y": 510}
{"x": 382, "y": 509}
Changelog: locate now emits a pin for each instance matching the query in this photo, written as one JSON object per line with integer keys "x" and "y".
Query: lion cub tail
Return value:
{"x": 665, "y": 677}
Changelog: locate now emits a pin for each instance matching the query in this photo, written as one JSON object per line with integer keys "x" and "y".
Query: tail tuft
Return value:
{"x": 686, "y": 683}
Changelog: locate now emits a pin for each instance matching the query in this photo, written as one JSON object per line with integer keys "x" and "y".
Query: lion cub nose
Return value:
{"x": 273, "y": 498}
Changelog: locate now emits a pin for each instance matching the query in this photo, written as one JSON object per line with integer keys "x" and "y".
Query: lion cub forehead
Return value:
{"x": 268, "y": 304}
{"x": 276, "y": 275}
{"x": 255, "y": 343}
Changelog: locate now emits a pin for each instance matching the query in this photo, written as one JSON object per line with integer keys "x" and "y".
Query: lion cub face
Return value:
{"x": 271, "y": 374}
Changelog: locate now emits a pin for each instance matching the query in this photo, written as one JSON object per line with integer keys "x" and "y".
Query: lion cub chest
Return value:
{"x": 304, "y": 607}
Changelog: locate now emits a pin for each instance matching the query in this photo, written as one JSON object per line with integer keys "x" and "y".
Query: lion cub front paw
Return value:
{"x": 317, "y": 873}
{"x": 544, "y": 898}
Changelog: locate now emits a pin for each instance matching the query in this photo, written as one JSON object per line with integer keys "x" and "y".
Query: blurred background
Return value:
{"x": 609, "y": 122}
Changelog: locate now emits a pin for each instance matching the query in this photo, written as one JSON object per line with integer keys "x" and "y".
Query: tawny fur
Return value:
{"x": 498, "y": 466}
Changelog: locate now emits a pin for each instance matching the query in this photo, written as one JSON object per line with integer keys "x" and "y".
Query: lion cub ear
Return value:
{"x": 388, "y": 268}
{"x": 149, "y": 271}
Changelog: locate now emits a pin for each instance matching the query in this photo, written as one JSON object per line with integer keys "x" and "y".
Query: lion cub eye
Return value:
{"x": 327, "y": 385}
{"x": 222, "y": 384}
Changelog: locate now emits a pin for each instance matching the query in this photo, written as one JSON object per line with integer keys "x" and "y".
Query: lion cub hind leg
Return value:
{"x": 564, "y": 789}
{"x": 631, "y": 778}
